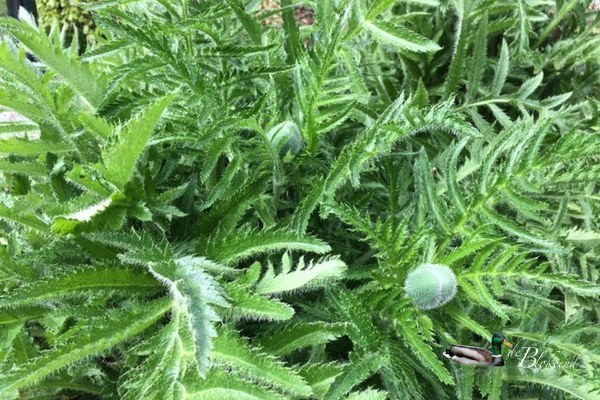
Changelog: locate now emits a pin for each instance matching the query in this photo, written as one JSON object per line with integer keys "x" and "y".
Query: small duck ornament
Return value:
{"x": 478, "y": 356}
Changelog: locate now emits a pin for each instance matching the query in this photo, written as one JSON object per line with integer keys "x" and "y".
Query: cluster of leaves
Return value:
{"x": 171, "y": 195}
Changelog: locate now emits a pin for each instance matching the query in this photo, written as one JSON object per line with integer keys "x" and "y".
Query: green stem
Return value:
{"x": 188, "y": 35}
{"x": 562, "y": 13}
{"x": 482, "y": 103}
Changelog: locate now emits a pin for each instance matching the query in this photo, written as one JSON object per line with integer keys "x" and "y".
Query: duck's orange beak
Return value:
{"x": 507, "y": 343}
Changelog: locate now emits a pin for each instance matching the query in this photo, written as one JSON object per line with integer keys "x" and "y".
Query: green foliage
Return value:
{"x": 89, "y": 340}
{"x": 218, "y": 201}
{"x": 231, "y": 351}
{"x": 120, "y": 158}
{"x": 304, "y": 276}
{"x": 77, "y": 75}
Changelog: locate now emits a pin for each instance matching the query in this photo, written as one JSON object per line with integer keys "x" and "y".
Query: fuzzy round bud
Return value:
{"x": 286, "y": 137}
{"x": 431, "y": 286}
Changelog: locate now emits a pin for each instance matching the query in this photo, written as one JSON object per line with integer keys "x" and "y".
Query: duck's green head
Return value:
{"x": 498, "y": 340}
